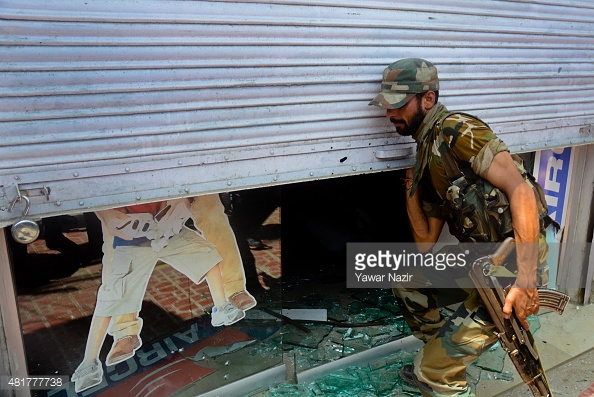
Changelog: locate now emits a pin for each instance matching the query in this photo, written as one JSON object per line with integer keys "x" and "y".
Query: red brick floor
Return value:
{"x": 74, "y": 297}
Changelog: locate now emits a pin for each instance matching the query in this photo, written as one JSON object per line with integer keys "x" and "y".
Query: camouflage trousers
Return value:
{"x": 450, "y": 345}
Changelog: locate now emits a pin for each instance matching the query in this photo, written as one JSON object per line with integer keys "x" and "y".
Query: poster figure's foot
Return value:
{"x": 227, "y": 314}
{"x": 87, "y": 375}
{"x": 242, "y": 300}
{"x": 122, "y": 349}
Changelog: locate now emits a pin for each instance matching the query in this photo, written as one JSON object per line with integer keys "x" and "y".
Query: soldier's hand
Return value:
{"x": 524, "y": 301}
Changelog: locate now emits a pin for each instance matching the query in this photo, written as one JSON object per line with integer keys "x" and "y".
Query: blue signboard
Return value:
{"x": 553, "y": 172}
{"x": 552, "y": 169}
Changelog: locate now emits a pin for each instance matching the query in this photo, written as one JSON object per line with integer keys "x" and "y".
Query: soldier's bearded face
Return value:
{"x": 408, "y": 118}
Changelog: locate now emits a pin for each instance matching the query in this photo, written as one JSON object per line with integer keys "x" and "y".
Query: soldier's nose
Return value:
{"x": 392, "y": 113}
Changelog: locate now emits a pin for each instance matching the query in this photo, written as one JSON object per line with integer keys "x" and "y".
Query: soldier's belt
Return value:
{"x": 514, "y": 339}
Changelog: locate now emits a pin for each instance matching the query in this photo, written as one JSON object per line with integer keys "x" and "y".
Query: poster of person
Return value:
{"x": 157, "y": 261}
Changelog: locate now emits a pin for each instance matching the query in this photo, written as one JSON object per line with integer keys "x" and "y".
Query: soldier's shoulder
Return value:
{"x": 458, "y": 120}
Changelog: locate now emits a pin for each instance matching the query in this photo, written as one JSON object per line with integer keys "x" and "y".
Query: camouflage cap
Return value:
{"x": 403, "y": 79}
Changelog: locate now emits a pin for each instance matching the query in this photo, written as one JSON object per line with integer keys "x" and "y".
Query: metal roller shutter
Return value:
{"x": 105, "y": 103}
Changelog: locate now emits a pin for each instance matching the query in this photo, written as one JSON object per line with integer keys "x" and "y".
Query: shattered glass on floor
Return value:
{"x": 378, "y": 378}
{"x": 354, "y": 323}
{"x": 365, "y": 319}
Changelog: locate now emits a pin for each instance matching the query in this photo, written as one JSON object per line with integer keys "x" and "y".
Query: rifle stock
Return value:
{"x": 514, "y": 339}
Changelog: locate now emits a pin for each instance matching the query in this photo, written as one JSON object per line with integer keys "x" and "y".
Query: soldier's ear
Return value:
{"x": 429, "y": 100}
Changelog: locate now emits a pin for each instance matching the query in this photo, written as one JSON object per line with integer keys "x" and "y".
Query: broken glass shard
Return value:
{"x": 506, "y": 376}
{"x": 492, "y": 359}
{"x": 288, "y": 390}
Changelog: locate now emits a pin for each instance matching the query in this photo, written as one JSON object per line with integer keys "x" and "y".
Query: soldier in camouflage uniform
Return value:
{"x": 409, "y": 94}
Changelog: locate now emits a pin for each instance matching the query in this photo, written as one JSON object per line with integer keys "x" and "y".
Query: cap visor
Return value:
{"x": 386, "y": 100}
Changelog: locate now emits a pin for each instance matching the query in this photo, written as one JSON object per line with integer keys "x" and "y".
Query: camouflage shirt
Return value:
{"x": 472, "y": 144}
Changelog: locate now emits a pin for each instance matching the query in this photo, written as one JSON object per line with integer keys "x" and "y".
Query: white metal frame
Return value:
{"x": 10, "y": 317}
{"x": 575, "y": 269}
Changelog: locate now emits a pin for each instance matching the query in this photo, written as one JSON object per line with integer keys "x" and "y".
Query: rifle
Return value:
{"x": 515, "y": 340}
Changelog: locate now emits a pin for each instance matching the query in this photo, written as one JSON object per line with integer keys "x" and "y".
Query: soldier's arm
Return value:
{"x": 425, "y": 230}
{"x": 523, "y": 296}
